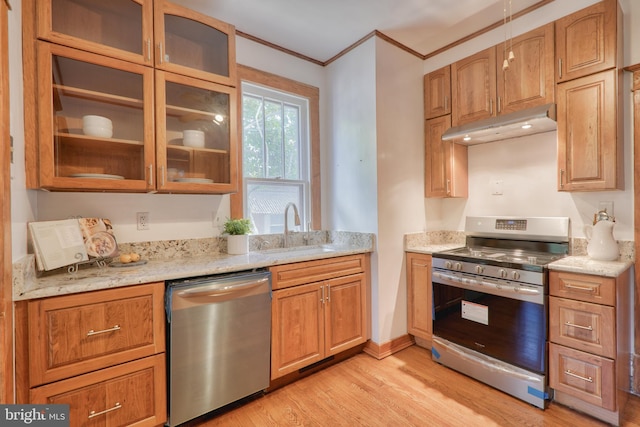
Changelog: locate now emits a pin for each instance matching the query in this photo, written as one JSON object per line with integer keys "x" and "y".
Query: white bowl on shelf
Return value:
{"x": 193, "y": 138}
{"x": 102, "y": 132}
{"x": 97, "y": 126}
{"x": 96, "y": 121}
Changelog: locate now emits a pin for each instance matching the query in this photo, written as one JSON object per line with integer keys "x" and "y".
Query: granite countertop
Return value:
{"x": 433, "y": 248}
{"x": 27, "y": 286}
{"x": 586, "y": 265}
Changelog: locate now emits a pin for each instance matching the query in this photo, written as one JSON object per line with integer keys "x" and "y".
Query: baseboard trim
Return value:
{"x": 380, "y": 351}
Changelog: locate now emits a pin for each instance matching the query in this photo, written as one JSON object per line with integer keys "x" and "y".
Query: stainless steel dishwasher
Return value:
{"x": 218, "y": 338}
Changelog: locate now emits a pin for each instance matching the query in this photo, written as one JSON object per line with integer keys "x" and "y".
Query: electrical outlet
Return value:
{"x": 143, "y": 220}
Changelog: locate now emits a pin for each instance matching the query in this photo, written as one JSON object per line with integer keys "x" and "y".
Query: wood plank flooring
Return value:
{"x": 405, "y": 389}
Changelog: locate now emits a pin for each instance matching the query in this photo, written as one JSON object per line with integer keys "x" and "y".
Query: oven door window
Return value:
{"x": 507, "y": 329}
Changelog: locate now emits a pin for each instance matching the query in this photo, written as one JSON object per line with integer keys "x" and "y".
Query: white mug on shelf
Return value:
{"x": 193, "y": 138}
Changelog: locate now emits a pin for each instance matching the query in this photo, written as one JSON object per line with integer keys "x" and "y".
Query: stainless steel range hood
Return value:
{"x": 513, "y": 125}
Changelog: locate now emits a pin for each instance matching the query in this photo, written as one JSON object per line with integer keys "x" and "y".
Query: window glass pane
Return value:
{"x": 273, "y": 132}
{"x": 266, "y": 202}
{"x": 291, "y": 145}
{"x": 252, "y": 136}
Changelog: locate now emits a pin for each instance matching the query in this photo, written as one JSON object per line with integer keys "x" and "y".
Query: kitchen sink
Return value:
{"x": 300, "y": 250}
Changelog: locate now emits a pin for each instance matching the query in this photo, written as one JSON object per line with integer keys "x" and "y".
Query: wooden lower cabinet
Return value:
{"x": 101, "y": 352}
{"x": 127, "y": 394}
{"x": 312, "y": 320}
{"x": 589, "y": 349}
{"x": 419, "y": 295}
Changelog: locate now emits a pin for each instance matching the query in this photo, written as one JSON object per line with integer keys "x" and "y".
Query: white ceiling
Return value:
{"x": 321, "y": 29}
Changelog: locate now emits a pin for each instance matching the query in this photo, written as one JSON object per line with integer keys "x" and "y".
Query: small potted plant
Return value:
{"x": 238, "y": 240}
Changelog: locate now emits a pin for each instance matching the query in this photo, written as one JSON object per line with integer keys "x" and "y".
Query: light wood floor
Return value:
{"x": 405, "y": 389}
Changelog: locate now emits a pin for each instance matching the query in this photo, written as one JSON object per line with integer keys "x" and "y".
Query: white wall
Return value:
{"x": 527, "y": 166}
{"x": 400, "y": 189}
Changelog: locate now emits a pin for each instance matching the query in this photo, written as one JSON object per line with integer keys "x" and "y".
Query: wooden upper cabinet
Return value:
{"x": 529, "y": 80}
{"x": 445, "y": 162}
{"x": 590, "y": 146}
{"x": 473, "y": 87}
{"x": 194, "y": 44}
{"x": 74, "y": 83}
{"x": 121, "y": 29}
{"x": 587, "y": 41}
{"x": 437, "y": 93}
{"x": 182, "y": 104}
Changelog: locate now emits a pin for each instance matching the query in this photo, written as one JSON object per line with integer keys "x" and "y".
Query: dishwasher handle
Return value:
{"x": 221, "y": 289}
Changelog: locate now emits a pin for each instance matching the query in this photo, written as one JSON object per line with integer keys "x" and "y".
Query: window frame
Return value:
{"x": 262, "y": 78}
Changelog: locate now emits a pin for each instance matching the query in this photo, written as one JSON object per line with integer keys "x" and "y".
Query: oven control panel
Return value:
{"x": 511, "y": 224}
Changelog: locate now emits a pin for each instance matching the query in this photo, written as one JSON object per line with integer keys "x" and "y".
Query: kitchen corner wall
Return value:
{"x": 376, "y": 165}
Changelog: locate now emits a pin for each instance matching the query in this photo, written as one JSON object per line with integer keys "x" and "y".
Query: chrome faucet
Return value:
{"x": 296, "y": 219}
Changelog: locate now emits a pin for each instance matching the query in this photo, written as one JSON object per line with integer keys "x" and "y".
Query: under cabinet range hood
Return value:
{"x": 513, "y": 125}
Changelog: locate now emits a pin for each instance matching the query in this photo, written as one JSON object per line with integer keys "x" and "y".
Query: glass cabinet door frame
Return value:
{"x": 163, "y": 183}
{"x": 46, "y": 133}
{"x": 164, "y": 7}
{"x": 45, "y": 31}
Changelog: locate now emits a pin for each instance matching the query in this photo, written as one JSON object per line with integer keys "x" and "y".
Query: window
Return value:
{"x": 275, "y": 153}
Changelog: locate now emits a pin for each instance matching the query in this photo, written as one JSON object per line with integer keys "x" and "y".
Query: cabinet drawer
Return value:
{"x": 583, "y": 287}
{"x": 582, "y": 325}
{"x": 75, "y": 334}
{"x": 284, "y": 276}
{"x": 586, "y": 376}
{"x": 131, "y": 393}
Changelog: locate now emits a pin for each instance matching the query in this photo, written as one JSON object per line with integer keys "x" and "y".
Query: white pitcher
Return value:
{"x": 601, "y": 244}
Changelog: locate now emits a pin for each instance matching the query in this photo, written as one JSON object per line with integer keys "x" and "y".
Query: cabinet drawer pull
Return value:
{"x": 104, "y": 331}
{"x": 422, "y": 265}
{"x": 95, "y": 414}
{"x": 579, "y": 288}
{"x": 587, "y": 379}
{"x": 573, "y": 325}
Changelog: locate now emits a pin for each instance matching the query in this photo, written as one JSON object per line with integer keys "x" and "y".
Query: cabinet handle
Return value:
{"x": 148, "y": 49}
{"x": 322, "y": 297}
{"x": 160, "y": 54}
{"x": 446, "y": 103}
{"x": 448, "y": 189}
{"x": 561, "y": 178}
{"x": 150, "y": 175}
{"x": 422, "y": 265}
{"x": 587, "y": 379}
{"x": 328, "y": 293}
{"x": 162, "y": 176}
{"x": 573, "y": 325}
{"x": 491, "y": 107}
{"x": 95, "y": 414}
{"x": 103, "y": 331}
{"x": 559, "y": 68}
{"x": 579, "y": 288}
{"x": 499, "y": 104}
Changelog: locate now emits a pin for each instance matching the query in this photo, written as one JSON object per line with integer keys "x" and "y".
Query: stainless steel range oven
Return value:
{"x": 490, "y": 302}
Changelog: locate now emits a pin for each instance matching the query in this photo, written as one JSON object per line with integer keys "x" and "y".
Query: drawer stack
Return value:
{"x": 589, "y": 346}
{"x": 101, "y": 352}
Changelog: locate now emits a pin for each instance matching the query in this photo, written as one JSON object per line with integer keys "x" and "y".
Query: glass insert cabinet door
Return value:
{"x": 195, "y": 134}
{"x": 119, "y": 28}
{"x": 194, "y": 44}
{"x": 96, "y": 121}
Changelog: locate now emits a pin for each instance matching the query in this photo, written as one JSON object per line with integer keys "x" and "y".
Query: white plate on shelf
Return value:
{"x": 96, "y": 176}
{"x": 198, "y": 180}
